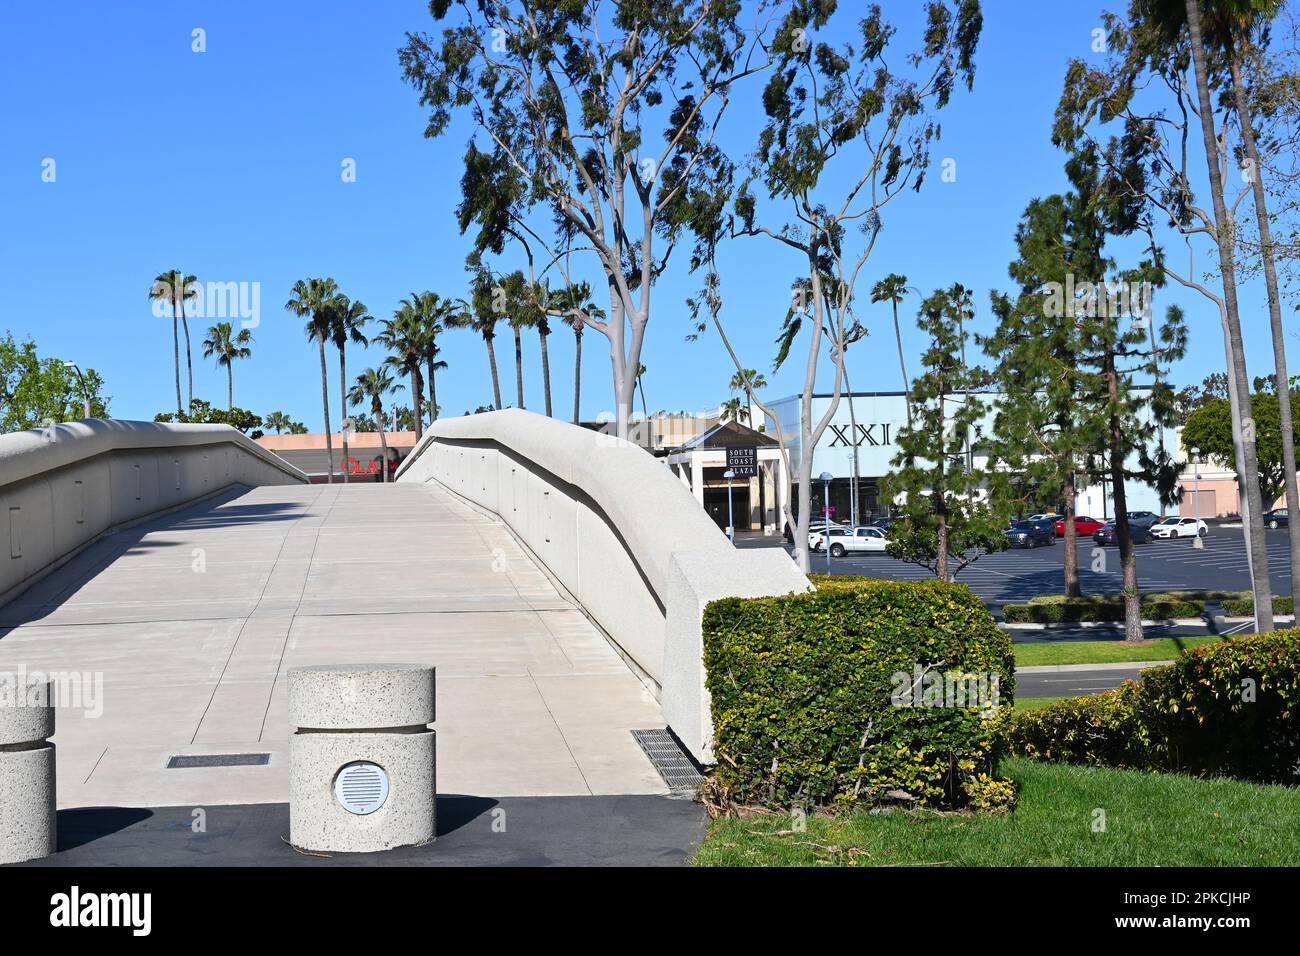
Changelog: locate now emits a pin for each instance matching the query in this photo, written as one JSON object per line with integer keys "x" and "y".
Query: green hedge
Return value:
{"x": 1229, "y": 708}
{"x": 803, "y": 696}
{"x": 1056, "y": 608}
{"x": 1245, "y": 606}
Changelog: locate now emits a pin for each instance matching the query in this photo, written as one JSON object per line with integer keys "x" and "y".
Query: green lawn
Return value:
{"x": 1150, "y": 820}
{"x": 1104, "y": 652}
{"x": 1037, "y": 703}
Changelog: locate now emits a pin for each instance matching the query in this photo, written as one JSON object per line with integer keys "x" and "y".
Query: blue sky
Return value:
{"x": 227, "y": 164}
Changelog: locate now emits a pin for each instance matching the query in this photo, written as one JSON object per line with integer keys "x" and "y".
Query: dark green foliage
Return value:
{"x": 1245, "y": 607}
{"x": 1209, "y": 428}
{"x": 1227, "y": 708}
{"x": 1056, "y": 609}
{"x": 801, "y": 696}
{"x": 204, "y": 414}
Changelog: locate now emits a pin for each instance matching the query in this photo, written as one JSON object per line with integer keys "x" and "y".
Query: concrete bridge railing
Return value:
{"x": 64, "y": 486}
{"x": 624, "y": 537}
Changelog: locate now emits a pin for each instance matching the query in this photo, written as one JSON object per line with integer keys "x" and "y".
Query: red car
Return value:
{"x": 1082, "y": 525}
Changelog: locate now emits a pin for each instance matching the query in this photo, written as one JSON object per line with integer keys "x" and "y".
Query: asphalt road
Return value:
{"x": 1050, "y": 682}
{"x": 1019, "y": 574}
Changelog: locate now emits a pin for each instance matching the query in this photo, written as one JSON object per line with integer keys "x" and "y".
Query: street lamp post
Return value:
{"x": 1196, "y": 497}
{"x": 825, "y": 478}
{"x": 731, "y": 523}
{"x": 85, "y": 395}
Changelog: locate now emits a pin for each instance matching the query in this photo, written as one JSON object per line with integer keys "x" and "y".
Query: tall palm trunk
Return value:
{"x": 378, "y": 409}
{"x": 176, "y": 354}
{"x": 325, "y": 403}
{"x": 189, "y": 365}
{"x": 902, "y": 365}
{"x": 417, "y": 389}
{"x": 1247, "y": 462}
{"x": 433, "y": 388}
{"x": 519, "y": 368}
{"x": 546, "y": 369}
{"x": 343, "y": 409}
{"x": 1274, "y": 305}
{"x": 230, "y": 386}
{"x": 496, "y": 380}
{"x": 577, "y": 371}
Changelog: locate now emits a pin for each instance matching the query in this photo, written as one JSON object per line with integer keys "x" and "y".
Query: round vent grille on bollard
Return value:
{"x": 361, "y": 787}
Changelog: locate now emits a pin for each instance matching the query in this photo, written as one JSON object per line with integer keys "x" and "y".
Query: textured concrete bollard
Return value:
{"x": 27, "y": 807}
{"x": 361, "y": 762}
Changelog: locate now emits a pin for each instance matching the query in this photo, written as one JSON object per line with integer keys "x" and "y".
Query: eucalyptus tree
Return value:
{"x": 348, "y": 318}
{"x": 228, "y": 346}
{"x": 404, "y": 337}
{"x": 845, "y": 135}
{"x": 176, "y": 288}
{"x": 371, "y": 386}
{"x": 1148, "y": 174}
{"x": 565, "y": 98}
{"x": 312, "y": 299}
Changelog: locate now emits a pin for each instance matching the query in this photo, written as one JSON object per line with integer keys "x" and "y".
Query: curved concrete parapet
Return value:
{"x": 63, "y": 486}
{"x": 624, "y": 537}
{"x": 362, "y": 760}
{"x": 27, "y": 796}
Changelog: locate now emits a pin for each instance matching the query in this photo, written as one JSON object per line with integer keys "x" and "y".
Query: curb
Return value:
{"x": 1067, "y": 668}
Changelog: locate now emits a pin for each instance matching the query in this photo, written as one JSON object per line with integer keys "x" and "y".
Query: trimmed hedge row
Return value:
{"x": 1245, "y": 606}
{"x": 1056, "y": 608}
{"x": 806, "y": 696}
{"x": 1228, "y": 708}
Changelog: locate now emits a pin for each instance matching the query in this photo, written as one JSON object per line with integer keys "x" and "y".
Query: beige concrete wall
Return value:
{"x": 617, "y": 530}
{"x": 62, "y": 487}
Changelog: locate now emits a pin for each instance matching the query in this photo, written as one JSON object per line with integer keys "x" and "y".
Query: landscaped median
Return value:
{"x": 1059, "y": 609}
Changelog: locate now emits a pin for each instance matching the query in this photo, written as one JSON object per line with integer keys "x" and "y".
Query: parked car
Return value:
{"x": 1030, "y": 534}
{"x": 1144, "y": 518}
{"x": 866, "y": 538}
{"x": 817, "y": 539}
{"x": 884, "y": 522}
{"x": 1045, "y": 516}
{"x": 1106, "y": 534}
{"x": 1277, "y": 518}
{"x": 1082, "y": 525}
{"x": 1175, "y": 527}
{"x": 818, "y": 526}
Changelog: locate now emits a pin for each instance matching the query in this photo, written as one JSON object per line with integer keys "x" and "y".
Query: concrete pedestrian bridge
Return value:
{"x": 169, "y": 576}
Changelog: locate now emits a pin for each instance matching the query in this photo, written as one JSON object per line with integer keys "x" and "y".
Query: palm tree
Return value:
{"x": 433, "y": 312}
{"x": 374, "y": 384}
{"x": 279, "y": 421}
{"x": 891, "y": 289}
{"x": 733, "y": 410}
{"x": 403, "y": 336}
{"x": 175, "y": 287}
{"x": 479, "y": 315}
{"x": 346, "y": 320}
{"x": 310, "y": 299}
{"x": 227, "y": 346}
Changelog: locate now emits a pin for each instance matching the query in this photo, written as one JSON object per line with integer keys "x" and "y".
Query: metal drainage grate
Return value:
{"x": 218, "y": 760}
{"x": 361, "y": 787}
{"x": 677, "y": 768}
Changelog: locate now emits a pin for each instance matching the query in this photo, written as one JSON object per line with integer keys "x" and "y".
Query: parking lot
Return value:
{"x": 1019, "y": 574}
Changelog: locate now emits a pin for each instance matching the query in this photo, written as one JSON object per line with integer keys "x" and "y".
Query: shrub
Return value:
{"x": 1056, "y": 608}
{"x": 803, "y": 690}
{"x": 1228, "y": 708}
{"x": 1245, "y": 606}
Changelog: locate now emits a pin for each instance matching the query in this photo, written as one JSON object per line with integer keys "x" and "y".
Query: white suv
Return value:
{"x": 1179, "y": 528}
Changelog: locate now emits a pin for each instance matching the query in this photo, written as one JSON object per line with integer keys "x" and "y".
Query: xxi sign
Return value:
{"x": 876, "y": 434}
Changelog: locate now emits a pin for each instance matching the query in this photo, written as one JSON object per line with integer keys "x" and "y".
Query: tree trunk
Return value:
{"x": 519, "y": 368}
{"x": 577, "y": 371}
{"x": 343, "y": 409}
{"x": 431, "y": 361}
{"x": 1123, "y": 534}
{"x": 189, "y": 366}
{"x": 1248, "y": 464}
{"x": 496, "y": 380}
{"x": 325, "y": 403}
{"x": 1071, "y": 538}
{"x": 176, "y": 354}
{"x": 1274, "y": 307}
{"x": 546, "y": 371}
{"x": 417, "y": 389}
{"x": 230, "y": 386}
{"x": 940, "y": 505}
{"x": 378, "y": 408}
